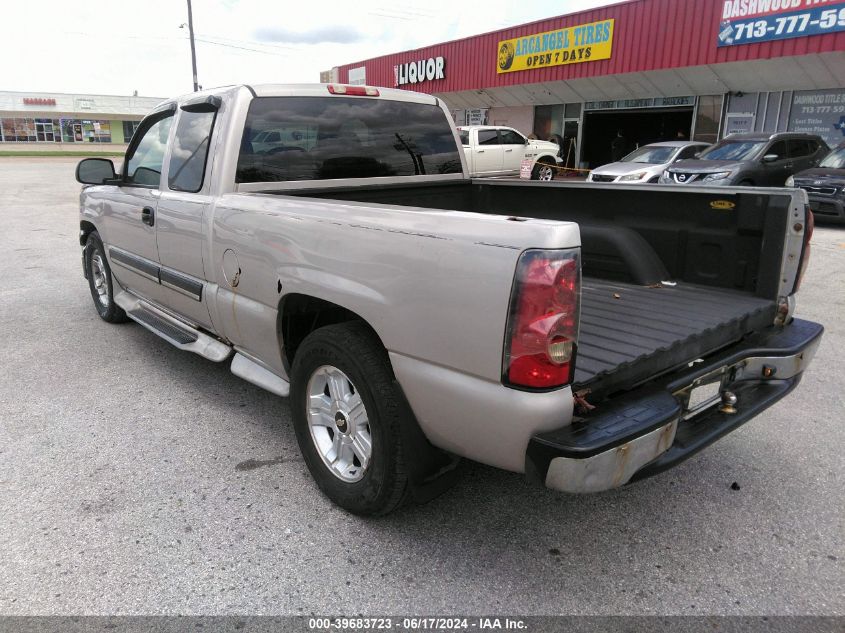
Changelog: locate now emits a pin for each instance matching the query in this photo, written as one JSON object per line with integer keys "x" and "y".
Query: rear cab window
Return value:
{"x": 325, "y": 138}
{"x": 488, "y": 137}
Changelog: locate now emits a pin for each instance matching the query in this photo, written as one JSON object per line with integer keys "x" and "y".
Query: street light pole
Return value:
{"x": 193, "y": 50}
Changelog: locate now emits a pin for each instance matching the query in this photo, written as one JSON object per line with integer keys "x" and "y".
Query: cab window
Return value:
{"x": 509, "y": 137}
{"x": 464, "y": 137}
{"x": 144, "y": 161}
{"x": 801, "y": 147}
{"x": 190, "y": 151}
{"x": 778, "y": 148}
{"x": 488, "y": 137}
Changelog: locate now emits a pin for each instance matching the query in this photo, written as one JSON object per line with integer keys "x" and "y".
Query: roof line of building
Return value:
{"x": 486, "y": 33}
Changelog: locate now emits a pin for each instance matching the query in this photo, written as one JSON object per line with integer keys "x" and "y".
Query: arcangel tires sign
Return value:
{"x": 572, "y": 45}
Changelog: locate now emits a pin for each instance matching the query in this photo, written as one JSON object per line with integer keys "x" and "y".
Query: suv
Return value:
{"x": 825, "y": 186}
{"x": 750, "y": 159}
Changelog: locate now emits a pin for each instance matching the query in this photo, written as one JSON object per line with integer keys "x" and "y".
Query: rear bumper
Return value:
{"x": 652, "y": 429}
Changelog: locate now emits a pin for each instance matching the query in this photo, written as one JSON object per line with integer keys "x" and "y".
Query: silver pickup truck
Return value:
{"x": 582, "y": 335}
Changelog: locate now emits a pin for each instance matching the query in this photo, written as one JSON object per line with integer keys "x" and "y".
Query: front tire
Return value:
{"x": 543, "y": 171}
{"x": 100, "y": 281}
{"x": 347, "y": 419}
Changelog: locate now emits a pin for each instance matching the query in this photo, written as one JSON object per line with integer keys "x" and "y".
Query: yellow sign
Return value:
{"x": 572, "y": 45}
{"x": 722, "y": 205}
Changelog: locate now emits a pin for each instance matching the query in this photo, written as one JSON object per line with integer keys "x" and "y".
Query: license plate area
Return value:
{"x": 702, "y": 397}
{"x": 702, "y": 393}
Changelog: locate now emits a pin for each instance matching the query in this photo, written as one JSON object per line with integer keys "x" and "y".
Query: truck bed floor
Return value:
{"x": 632, "y": 333}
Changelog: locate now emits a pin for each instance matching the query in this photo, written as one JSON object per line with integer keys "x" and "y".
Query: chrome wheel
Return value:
{"x": 545, "y": 173}
{"x": 338, "y": 422}
{"x": 98, "y": 274}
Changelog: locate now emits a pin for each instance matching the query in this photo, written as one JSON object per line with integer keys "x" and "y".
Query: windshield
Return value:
{"x": 834, "y": 160}
{"x": 653, "y": 155}
{"x": 733, "y": 150}
{"x": 322, "y": 138}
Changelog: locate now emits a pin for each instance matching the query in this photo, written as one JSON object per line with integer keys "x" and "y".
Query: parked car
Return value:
{"x": 825, "y": 186}
{"x": 763, "y": 160}
{"x": 647, "y": 163}
{"x": 502, "y": 151}
{"x": 414, "y": 315}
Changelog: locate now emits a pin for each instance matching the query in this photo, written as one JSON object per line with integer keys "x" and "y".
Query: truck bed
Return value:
{"x": 630, "y": 333}
{"x": 724, "y": 263}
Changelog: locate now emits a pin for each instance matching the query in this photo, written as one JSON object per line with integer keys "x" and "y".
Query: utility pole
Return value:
{"x": 193, "y": 50}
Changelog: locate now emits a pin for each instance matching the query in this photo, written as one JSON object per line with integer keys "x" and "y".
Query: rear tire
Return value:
{"x": 347, "y": 419}
{"x": 543, "y": 171}
{"x": 100, "y": 281}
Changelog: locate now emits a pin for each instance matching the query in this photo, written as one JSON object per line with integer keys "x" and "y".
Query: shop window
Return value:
{"x": 7, "y": 126}
{"x": 44, "y": 130}
{"x": 129, "y": 128}
{"x": 548, "y": 120}
{"x": 707, "y": 118}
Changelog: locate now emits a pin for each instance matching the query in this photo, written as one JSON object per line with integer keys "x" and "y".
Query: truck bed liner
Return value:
{"x": 632, "y": 333}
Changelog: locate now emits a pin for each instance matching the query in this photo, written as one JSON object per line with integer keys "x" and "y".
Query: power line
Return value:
{"x": 243, "y": 48}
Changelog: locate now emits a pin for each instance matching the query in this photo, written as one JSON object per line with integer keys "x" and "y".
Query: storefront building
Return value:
{"x": 650, "y": 70}
{"x": 42, "y": 117}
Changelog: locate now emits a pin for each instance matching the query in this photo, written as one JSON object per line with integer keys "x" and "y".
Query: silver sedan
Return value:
{"x": 646, "y": 164}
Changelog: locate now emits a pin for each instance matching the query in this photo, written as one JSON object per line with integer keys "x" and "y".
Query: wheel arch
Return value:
{"x": 300, "y": 314}
{"x": 85, "y": 229}
{"x": 431, "y": 470}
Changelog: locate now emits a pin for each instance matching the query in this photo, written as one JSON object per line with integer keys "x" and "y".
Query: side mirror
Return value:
{"x": 95, "y": 171}
{"x": 770, "y": 158}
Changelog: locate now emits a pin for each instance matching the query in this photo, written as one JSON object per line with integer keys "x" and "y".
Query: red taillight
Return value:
{"x": 805, "y": 251}
{"x": 353, "y": 91}
{"x": 542, "y": 330}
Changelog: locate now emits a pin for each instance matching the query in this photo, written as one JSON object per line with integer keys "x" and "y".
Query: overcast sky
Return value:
{"x": 107, "y": 47}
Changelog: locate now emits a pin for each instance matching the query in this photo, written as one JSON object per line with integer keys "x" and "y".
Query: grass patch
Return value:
{"x": 80, "y": 154}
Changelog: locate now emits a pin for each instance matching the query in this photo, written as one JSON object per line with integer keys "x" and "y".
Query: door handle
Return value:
{"x": 148, "y": 216}
{"x": 508, "y": 150}
{"x": 479, "y": 151}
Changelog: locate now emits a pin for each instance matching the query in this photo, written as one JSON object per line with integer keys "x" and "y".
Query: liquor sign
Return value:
{"x": 43, "y": 101}
{"x": 431, "y": 69}
{"x": 749, "y": 21}
{"x": 571, "y": 45}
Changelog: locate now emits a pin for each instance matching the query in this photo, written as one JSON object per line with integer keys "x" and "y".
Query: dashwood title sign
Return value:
{"x": 749, "y": 21}
{"x": 572, "y": 45}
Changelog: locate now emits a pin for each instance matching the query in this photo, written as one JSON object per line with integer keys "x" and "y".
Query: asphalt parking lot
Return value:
{"x": 138, "y": 479}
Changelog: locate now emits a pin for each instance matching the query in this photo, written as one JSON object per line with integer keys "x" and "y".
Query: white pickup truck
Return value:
{"x": 584, "y": 336}
{"x": 502, "y": 151}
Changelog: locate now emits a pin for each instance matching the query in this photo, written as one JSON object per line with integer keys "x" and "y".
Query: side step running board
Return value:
{"x": 251, "y": 371}
{"x": 171, "y": 329}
